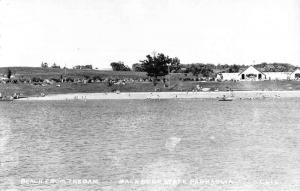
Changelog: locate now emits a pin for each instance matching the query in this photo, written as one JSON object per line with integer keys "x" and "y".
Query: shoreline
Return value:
{"x": 167, "y": 95}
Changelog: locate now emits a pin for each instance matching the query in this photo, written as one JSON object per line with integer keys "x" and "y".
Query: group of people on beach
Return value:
{"x": 9, "y": 98}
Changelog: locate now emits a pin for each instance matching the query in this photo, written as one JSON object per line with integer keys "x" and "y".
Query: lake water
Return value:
{"x": 143, "y": 145}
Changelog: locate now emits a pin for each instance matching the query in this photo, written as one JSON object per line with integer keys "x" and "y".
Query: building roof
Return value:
{"x": 251, "y": 68}
{"x": 296, "y": 71}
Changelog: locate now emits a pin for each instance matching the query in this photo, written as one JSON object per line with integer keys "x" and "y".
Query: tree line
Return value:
{"x": 160, "y": 65}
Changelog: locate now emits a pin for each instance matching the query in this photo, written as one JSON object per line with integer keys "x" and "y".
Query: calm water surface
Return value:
{"x": 201, "y": 144}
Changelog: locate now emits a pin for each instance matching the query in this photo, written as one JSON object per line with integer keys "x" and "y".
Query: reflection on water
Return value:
{"x": 197, "y": 144}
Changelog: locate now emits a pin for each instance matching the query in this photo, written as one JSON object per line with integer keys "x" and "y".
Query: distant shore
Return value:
{"x": 167, "y": 95}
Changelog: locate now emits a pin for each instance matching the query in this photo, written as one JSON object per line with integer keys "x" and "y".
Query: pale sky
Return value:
{"x": 98, "y": 32}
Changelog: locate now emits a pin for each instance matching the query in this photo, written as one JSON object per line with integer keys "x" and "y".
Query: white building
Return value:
{"x": 252, "y": 74}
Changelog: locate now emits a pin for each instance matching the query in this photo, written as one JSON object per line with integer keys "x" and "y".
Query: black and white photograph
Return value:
{"x": 149, "y": 95}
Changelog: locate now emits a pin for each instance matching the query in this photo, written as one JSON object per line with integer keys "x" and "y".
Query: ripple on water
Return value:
{"x": 164, "y": 169}
{"x": 9, "y": 158}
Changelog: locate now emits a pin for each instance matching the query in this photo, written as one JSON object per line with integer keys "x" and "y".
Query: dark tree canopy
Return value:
{"x": 55, "y": 66}
{"x": 44, "y": 65}
{"x": 119, "y": 66}
{"x": 205, "y": 70}
{"x": 234, "y": 68}
{"x": 137, "y": 67}
{"x": 156, "y": 65}
{"x": 81, "y": 67}
{"x": 275, "y": 67}
{"x": 175, "y": 65}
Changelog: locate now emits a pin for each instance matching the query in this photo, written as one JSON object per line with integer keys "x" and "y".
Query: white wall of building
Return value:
{"x": 277, "y": 75}
{"x": 230, "y": 76}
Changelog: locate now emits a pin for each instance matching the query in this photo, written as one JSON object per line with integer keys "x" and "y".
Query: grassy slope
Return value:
{"x": 30, "y": 90}
{"x": 29, "y": 72}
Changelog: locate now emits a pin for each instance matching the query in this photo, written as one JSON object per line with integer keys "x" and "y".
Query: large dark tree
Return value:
{"x": 156, "y": 65}
{"x": 119, "y": 66}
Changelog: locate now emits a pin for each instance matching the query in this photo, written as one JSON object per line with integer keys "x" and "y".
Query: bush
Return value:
{"x": 22, "y": 80}
{"x": 187, "y": 79}
{"x": 97, "y": 78}
{"x": 55, "y": 80}
{"x": 36, "y": 79}
{"x": 69, "y": 79}
{"x": 9, "y": 73}
{"x": 86, "y": 77}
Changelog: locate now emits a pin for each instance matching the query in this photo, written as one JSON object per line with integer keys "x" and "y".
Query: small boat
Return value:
{"x": 225, "y": 99}
{"x": 21, "y": 97}
{"x": 205, "y": 89}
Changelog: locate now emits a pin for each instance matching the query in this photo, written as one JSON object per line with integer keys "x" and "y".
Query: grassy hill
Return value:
{"x": 44, "y": 73}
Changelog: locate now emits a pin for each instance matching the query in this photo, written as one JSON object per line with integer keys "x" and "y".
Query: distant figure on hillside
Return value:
{"x": 16, "y": 95}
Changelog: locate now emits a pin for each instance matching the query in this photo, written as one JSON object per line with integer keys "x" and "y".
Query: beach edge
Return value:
{"x": 166, "y": 95}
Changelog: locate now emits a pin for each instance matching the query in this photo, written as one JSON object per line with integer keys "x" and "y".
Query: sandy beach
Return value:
{"x": 167, "y": 95}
